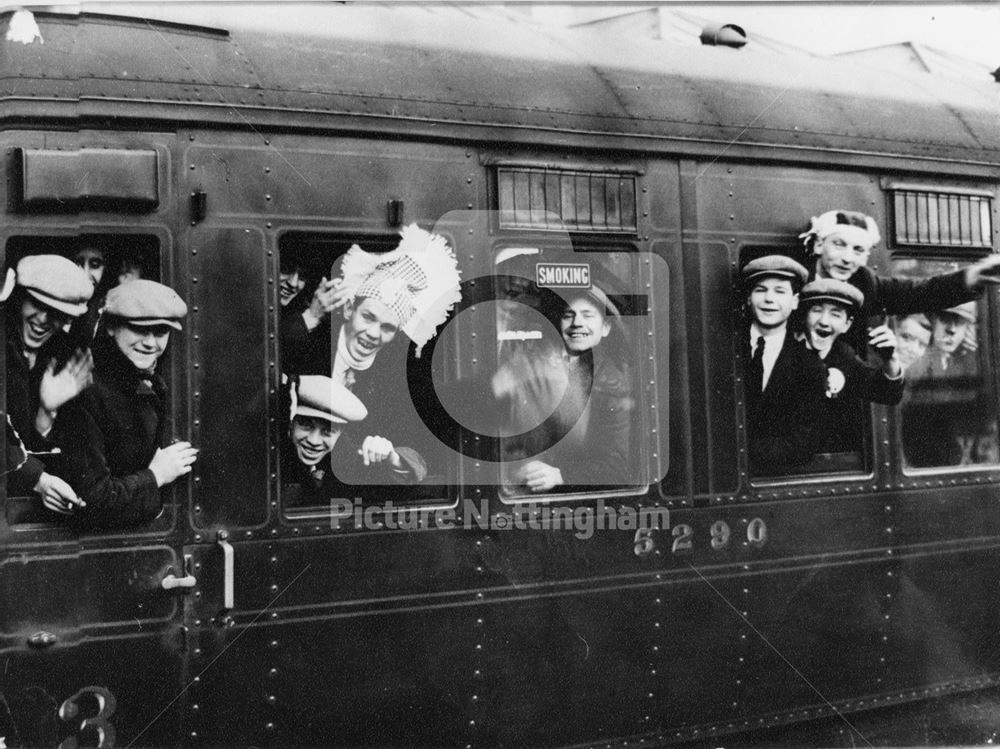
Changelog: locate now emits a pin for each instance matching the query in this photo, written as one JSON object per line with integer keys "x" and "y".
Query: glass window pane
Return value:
{"x": 948, "y": 415}
{"x": 569, "y": 409}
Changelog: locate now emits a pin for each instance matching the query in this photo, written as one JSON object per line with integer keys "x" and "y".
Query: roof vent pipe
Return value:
{"x": 727, "y": 35}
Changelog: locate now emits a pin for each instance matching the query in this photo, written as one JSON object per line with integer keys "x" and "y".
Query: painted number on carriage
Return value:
{"x": 70, "y": 712}
{"x": 720, "y": 536}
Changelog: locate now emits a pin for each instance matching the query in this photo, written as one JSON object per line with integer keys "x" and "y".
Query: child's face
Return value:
{"x": 912, "y": 341}
{"x": 949, "y": 332}
{"x": 314, "y": 438}
{"x": 772, "y": 301}
{"x": 824, "y": 322}
{"x": 583, "y": 325}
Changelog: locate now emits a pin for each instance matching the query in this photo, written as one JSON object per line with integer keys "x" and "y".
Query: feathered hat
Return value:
{"x": 418, "y": 281}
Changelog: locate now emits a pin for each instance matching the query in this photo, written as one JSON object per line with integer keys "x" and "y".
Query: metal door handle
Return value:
{"x": 228, "y": 570}
{"x": 171, "y": 581}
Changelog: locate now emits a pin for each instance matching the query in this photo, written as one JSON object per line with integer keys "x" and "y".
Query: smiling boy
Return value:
{"x": 319, "y": 461}
{"x": 784, "y": 382}
{"x": 830, "y": 308}
{"x": 589, "y": 430}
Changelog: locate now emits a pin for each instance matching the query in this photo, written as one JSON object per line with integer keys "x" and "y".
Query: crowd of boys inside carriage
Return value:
{"x": 88, "y": 415}
{"x": 819, "y": 347}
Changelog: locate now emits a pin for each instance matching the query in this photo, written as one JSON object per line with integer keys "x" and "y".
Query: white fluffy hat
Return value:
{"x": 419, "y": 281}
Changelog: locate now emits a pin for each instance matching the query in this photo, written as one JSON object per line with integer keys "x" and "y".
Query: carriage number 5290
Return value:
{"x": 720, "y": 535}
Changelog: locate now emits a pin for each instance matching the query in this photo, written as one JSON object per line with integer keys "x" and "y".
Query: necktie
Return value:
{"x": 755, "y": 372}
{"x": 317, "y": 475}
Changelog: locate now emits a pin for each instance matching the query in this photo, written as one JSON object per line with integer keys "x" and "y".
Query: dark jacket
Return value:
{"x": 840, "y": 419}
{"x": 587, "y": 434}
{"x": 304, "y": 351}
{"x": 781, "y": 424}
{"x": 109, "y": 435}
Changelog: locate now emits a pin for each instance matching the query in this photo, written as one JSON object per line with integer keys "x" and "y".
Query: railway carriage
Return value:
{"x": 472, "y": 615}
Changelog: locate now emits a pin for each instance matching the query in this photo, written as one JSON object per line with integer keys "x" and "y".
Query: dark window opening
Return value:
{"x": 786, "y": 437}
{"x": 108, "y": 260}
{"x": 347, "y": 386}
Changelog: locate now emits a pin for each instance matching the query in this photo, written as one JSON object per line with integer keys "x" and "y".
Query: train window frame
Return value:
{"x": 857, "y": 466}
{"x": 335, "y": 243}
{"x": 987, "y": 351}
{"x": 146, "y": 247}
{"x": 653, "y": 442}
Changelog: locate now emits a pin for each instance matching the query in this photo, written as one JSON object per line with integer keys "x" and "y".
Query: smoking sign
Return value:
{"x": 563, "y": 275}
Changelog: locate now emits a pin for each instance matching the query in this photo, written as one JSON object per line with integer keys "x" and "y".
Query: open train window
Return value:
{"x": 832, "y": 435}
{"x": 109, "y": 260}
{"x": 948, "y": 415}
{"x": 348, "y": 431}
{"x": 574, "y": 345}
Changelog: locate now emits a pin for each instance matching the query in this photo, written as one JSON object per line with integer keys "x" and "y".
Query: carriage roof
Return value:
{"x": 446, "y": 74}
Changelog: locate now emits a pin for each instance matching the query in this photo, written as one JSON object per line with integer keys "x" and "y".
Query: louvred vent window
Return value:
{"x": 942, "y": 219}
{"x": 566, "y": 200}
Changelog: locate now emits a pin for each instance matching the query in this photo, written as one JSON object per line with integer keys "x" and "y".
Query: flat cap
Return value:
{"x": 145, "y": 302}
{"x": 832, "y": 290}
{"x": 321, "y": 397}
{"x": 595, "y": 295}
{"x": 781, "y": 266}
{"x": 56, "y": 281}
{"x": 966, "y": 311}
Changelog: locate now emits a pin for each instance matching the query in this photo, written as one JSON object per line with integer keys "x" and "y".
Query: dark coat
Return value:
{"x": 840, "y": 419}
{"x": 781, "y": 422}
{"x": 304, "y": 351}
{"x": 587, "y": 434}
{"x": 109, "y": 435}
